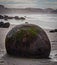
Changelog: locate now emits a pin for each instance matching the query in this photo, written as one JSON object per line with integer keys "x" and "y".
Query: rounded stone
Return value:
{"x": 28, "y": 40}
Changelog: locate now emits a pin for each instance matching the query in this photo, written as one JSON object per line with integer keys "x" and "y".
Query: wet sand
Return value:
{"x": 8, "y": 60}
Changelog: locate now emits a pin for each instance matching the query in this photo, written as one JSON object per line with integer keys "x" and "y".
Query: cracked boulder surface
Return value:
{"x": 27, "y": 40}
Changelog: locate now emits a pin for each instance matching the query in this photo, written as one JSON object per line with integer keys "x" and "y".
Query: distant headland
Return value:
{"x": 5, "y": 10}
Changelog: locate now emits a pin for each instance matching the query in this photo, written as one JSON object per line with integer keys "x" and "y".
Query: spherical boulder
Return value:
{"x": 27, "y": 40}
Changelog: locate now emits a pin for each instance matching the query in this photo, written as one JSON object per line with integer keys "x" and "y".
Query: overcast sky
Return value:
{"x": 30, "y": 3}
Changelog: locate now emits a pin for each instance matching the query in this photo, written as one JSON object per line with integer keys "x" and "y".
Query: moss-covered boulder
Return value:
{"x": 28, "y": 40}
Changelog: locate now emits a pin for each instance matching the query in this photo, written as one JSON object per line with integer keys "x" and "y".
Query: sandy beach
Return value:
{"x": 8, "y": 60}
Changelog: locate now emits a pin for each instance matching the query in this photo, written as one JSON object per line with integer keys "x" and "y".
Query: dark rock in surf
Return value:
{"x": 53, "y": 31}
{"x": 1, "y": 17}
{"x": 1, "y": 24}
{"x": 16, "y": 17}
{"x": 6, "y": 25}
{"x": 22, "y": 18}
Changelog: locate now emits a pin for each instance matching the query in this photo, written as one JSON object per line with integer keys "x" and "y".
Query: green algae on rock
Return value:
{"x": 28, "y": 40}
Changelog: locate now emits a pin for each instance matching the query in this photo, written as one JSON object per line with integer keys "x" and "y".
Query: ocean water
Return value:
{"x": 47, "y": 21}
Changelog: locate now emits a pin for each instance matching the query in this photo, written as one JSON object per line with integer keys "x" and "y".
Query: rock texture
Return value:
{"x": 27, "y": 40}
